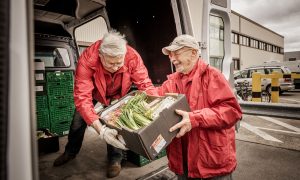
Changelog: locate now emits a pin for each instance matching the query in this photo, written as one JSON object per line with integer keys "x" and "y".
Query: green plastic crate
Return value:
{"x": 42, "y": 118}
{"x": 41, "y": 102}
{"x": 60, "y": 128}
{"x": 141, "y": 160}
{"x": 61, "y": 101}
{"x": 61, "y": 114}
{"x": 60, "y": 88}
{"x": 59, "y": 76}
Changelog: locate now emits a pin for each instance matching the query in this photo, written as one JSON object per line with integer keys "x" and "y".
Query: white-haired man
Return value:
{"x": 105, "y": 72}
{"x": 205, "y": 144}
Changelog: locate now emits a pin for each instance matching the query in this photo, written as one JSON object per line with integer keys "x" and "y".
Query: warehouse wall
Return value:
{"x": 246, "y": 54}
{"x": 254, "y": 30}
{"x": 251, "y": 56}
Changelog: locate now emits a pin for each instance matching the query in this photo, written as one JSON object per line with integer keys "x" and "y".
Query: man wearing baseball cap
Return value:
{"x": 205, "y": 144}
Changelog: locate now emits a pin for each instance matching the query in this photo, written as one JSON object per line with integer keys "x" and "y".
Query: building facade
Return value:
{"x": 292, "y": 56}
{"x": 252, "y": 43}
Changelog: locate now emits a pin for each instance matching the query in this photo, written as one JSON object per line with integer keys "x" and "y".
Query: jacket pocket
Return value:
{"x": 214, "y": 148}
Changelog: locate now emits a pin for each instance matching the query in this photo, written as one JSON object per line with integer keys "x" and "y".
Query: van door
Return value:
{"x": 208, "y": 21}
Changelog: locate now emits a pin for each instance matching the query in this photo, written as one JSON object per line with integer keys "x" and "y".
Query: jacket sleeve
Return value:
{"x": 223, "y": 111}
{"x": 139, "y": 75}
{"x": 83, "y": 90}
{"x": 165, "y": 88}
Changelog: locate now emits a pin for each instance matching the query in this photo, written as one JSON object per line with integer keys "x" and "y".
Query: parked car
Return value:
{"x": 286, "y": 84}
{"x": 294, "y": 66}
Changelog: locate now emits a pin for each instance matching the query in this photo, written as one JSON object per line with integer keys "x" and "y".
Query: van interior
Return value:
{"x": 148, "y": 26}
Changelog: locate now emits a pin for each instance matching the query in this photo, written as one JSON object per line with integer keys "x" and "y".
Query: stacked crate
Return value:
{"x": 60, "y": 100}
{"x": 42, "y": 111}
{"x": 141, "y": 160}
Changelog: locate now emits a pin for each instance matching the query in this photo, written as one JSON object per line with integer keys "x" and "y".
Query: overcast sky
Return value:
{"x": 281, "y": 16}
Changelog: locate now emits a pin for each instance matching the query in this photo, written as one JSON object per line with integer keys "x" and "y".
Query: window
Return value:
{"x": 262, "y": 46}
{"x": 262, "y": 71}
{"x": 216, "y": 39}
{"x": 52, "y": 56}
{"x": 271, "y": 70}
{"x": 234, "y": 38}
{"x": 241, "y": 74}
{"x": 254, "y": 43}
{"x": 216, "y": 62}
{"x": 275, "y": 49}
{"x": 244, "y": 40}
{"x": 236, "y": 64}
{"x": 292, "y": 59}
{"x": 250, "y": 42}
{"x": 91, "y": 31}
{"x": 216, "y": 28}
{"x": 269, "y": 47}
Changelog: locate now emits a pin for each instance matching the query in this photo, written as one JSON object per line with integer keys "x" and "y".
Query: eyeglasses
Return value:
{"x": 178, "y": 52}
{"x": 106, "y": 61}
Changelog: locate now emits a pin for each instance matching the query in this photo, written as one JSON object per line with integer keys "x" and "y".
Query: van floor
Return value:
{"x": 90, "y": 163}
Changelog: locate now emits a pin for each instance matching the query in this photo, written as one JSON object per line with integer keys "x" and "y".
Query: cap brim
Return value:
{"x": 168, "y": 49}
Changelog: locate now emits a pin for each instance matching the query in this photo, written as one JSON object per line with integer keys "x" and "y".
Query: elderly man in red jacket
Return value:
{"x": 105, "y": 72}
{"x": 205, "y": 143}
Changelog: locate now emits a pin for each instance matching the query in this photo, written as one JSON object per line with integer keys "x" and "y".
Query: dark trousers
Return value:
{"x": 75, "y": 138}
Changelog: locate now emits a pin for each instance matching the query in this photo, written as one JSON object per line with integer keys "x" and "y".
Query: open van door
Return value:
{"x": 38, "y": 30}
{"x": 209, "y": 22}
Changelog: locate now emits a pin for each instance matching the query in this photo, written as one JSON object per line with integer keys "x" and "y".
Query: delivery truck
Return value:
{"x": 41, "y": 41}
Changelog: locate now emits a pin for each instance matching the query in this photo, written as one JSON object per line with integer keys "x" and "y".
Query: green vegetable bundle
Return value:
{"x": 137, "y": 112}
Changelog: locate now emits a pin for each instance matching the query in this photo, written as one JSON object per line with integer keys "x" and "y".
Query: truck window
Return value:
{"x": 90, "y": 32}
{"x": 53, "y": 56}
{"x": 216, "y": 44}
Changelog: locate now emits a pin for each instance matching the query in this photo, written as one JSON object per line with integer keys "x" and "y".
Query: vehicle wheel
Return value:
{"x": 280, "y": 92}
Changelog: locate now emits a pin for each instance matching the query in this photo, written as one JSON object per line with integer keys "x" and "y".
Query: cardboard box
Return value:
{"x": 149, "y": 141}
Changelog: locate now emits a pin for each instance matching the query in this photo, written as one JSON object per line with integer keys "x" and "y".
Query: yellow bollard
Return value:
{"x": 275, "y": 87}
{"x": 295, "y": 76}
{"x": 256, "y": 87}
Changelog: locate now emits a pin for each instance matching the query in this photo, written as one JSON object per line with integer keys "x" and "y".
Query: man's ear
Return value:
{"x": 194, "y": 52}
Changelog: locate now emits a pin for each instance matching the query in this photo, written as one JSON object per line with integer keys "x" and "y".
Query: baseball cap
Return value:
{"x": 179, "y": 42}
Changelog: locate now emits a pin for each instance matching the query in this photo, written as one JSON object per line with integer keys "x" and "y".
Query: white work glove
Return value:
{"x": 98, "y": 107}
{"x": 111, "y": 137}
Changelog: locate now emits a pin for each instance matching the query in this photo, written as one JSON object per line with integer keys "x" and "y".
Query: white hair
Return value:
{"x": 113, "y": 44}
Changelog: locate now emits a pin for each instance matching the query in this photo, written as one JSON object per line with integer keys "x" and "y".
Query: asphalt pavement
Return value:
{"x": 267, "y": 148}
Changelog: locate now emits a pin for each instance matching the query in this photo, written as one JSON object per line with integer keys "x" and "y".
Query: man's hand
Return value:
{"x": 110, "y": 136}
{"x": 184, "y": 125}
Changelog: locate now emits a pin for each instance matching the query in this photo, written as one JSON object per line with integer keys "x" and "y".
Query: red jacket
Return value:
{"x": 214, "y": 111}
{"x": 90, "y": 81}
